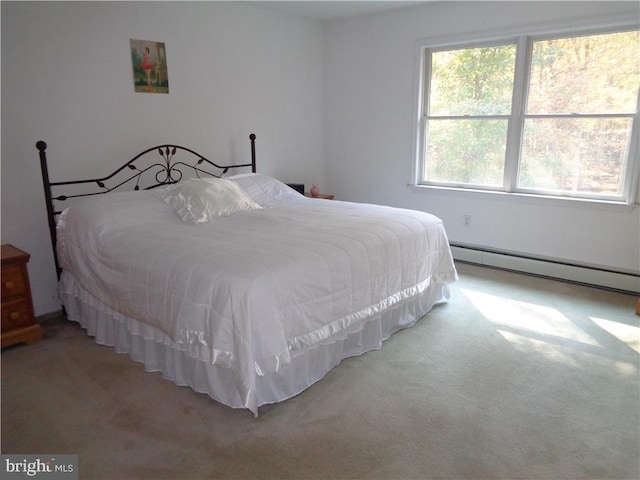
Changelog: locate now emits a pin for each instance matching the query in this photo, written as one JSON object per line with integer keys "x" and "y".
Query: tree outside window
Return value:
{"x": 562, "y": 125}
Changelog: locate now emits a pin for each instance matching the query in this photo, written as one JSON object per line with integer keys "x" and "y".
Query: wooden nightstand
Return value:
{"x": 320, "y": 195}
{"x": 18, "y": 321}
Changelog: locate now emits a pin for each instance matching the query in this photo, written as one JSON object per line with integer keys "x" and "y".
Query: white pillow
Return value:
{"x": 264, "y": 189}
{"x": 200, "y": 200}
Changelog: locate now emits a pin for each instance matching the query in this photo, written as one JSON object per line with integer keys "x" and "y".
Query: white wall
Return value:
{"x": 67, "y": 79}
{"x": 371, "y": 84}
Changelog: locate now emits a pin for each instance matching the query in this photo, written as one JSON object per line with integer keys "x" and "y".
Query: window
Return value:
{"x": 549, "y": 116}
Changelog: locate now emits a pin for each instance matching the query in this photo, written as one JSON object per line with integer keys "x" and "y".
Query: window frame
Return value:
{"x": 524, "y": 41}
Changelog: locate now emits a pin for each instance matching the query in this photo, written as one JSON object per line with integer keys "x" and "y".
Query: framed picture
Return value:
{"x": 149, "y": 60}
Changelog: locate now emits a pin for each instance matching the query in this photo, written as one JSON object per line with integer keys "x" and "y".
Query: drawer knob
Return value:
{"x": 9, "y": 284}
{"x": 15, "y": 315}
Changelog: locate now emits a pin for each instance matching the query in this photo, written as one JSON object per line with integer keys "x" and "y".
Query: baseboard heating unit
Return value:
{"x": 625, "y": 282}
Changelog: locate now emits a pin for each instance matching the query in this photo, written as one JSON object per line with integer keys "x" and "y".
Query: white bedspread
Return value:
{"x": 252, "y": 290}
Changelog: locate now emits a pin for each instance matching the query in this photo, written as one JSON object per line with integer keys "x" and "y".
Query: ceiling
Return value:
{"x": 328, "y": 10}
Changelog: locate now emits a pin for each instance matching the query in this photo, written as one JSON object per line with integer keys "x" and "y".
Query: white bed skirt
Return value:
{"x": 185, "y": 367}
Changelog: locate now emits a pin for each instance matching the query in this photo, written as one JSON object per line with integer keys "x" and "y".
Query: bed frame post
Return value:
{"x": 252, "y": 137}
{"x": 42, "y": 146}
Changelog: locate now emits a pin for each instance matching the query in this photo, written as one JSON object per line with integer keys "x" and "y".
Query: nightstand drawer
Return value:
{"x": 13, "y": 284}
{"x": 18, "y": 321}
{"x": 15, "y": 314}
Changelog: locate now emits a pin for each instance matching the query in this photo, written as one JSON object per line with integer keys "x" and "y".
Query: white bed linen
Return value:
{"x": 149, "y": 346}
{"x": 252, "y": 292}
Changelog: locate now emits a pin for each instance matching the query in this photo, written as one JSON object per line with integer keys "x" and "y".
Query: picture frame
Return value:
{"x": 149, "y": 62}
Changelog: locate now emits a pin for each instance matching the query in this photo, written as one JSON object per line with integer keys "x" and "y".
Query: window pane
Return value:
{"x": 466, "y": 151}
{"x": 594, "y": 74}
{"x": 472, "y": 81}
{"x": 579, "y": 155}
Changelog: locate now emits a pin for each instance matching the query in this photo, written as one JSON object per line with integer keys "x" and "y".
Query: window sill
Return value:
{"x": 527, "y": 198}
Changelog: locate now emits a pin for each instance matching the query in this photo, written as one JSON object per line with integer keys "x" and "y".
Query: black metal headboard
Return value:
{"x": 144, "y": 171}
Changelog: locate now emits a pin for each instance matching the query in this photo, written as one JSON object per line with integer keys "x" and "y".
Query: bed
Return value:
{"x": 235, "y": 284}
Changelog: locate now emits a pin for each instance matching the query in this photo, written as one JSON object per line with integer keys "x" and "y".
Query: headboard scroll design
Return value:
{"x": 156, "y": 166}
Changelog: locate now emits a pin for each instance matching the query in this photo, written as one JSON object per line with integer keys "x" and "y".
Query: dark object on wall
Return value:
{"x": 298, "y": 187}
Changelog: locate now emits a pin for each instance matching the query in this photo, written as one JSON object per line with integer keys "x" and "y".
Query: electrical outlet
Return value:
{"x": 467, "y": 221}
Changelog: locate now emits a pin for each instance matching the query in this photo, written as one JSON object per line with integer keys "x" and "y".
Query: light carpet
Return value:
{"x": 516, "y": 377}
